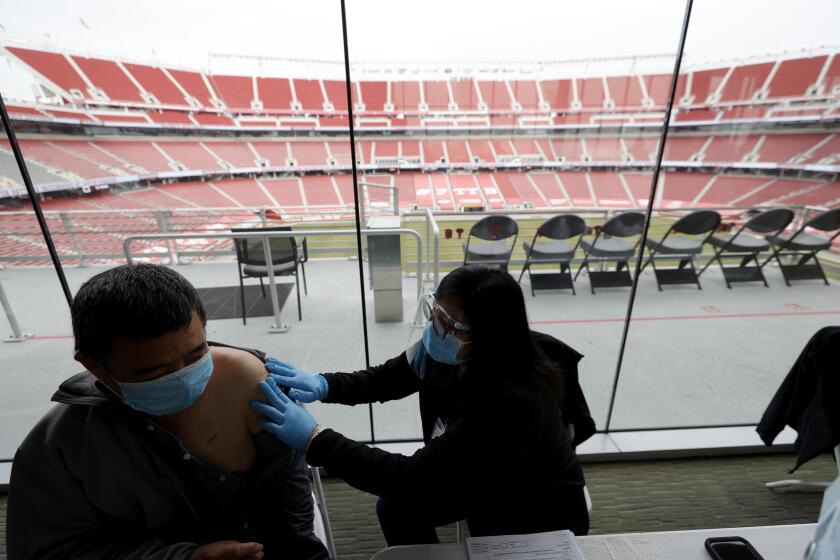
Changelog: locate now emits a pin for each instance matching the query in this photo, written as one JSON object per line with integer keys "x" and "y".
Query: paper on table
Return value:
{"x": 555, "y": 545}
{"x": 622, "y": 547}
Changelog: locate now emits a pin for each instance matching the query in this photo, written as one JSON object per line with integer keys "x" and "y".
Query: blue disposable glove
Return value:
{"x": 303, "y": 387}
{"x": 284, "y": 419}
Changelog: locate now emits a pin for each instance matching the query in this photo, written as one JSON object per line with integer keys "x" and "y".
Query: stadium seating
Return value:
{"x": 199, "y": 123}
{"x": 793, "y": 78}
{"x": 109, "y": 77}
{"x": 92, "y": 79}
{"x": 235, "y": 91}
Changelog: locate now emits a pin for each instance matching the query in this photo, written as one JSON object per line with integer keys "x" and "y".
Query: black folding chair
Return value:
{"x": 285, "y": 260}
{"x": 805, "y": 246}
{"x": 701, "y": 224}
{"x": 748, "y": 246}
{"x": 610, "y": 245}
{"x": 555, "y": 249}
{"x": 493, "y": 247}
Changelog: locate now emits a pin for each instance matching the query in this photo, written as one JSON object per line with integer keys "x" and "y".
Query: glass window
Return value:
{"x": 749, "y": 166}
{"x": 230, "y": 130}
{"x": 507, "y": 114}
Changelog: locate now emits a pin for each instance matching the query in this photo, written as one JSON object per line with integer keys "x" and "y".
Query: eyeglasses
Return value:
{"x": 442, "y": 322}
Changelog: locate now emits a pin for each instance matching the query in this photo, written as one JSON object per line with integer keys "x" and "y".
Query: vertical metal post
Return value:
{"x": 278, "y": 326}
{"x": 322, "y": 508}
{"x": 163, "y": 224}
{"x": 359, "y": 211}
{"x": 67, "y": 222}
{"x": 363, "y": 196}
{"x": 437, "y": 260}
{"x": 263, "y": 217}
{"x": 396, "y": 194}
{"x": 428, "y": 246}
{"x": 659, "y": 155}
{"x": 17, "y": 335}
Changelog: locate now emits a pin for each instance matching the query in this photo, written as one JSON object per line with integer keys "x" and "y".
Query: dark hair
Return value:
{"x": 502, "y": 347}
{"x": 138, "y": 301}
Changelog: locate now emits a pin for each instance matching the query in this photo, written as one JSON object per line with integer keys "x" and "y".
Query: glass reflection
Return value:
{"x": 470, "y": 141}
{"x": 743, "y": 211}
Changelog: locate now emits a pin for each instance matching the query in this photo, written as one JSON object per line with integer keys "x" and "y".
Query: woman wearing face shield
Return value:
{"x": 496, "y": 450}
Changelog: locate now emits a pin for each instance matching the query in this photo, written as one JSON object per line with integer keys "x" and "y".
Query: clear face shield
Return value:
{"x": 435, "y": 356}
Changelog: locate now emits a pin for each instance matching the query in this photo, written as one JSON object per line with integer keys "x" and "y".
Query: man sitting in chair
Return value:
{"x": 154, "y": 452}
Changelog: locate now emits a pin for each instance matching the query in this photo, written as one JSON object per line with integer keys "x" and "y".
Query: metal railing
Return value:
{"x": 278, "y": 325}
{"x": 17, "y": 335}
{"x": 364, "y": 193}
{"x": 434, "y": 238}
{"x": 84, "y": 237}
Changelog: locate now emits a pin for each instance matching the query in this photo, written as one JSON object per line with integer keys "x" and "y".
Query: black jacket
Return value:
{"x": 96, "y": 479}
{"x": 574, "y": 407}
{"x": 508, "y": 461}
{"x": 809, "y": 399}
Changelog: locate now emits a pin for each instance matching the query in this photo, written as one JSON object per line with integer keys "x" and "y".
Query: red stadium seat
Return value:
{"x": 145, "y": 155}
{"x": 436, "y": 95}
{"x": 794, "y": 77}
{"x": 157, "y": 83}
{"x": 746, "y": 82}
{"x": 237, "y": 154}
{"x": 578, "y": 188}
{"x": 705, "y": 84}
{"x": 465, "y": 94}
{"x": 309, "y": 153}
{"x": 374, "y": 95}
{"x": 192, "y": 155}
{"x": 287, "y": 192}
{"x": 526, "y": 94}
{"x": 336, "y": 94}
{"x": 591, "y": 92}
{"x": 275, "y": 93}
{"x": 625, "y": 91}
{"x": 237, "y": 92}
{"x": 55, "y": 67}
{"x": 309, "y": 95}
{"x": 195, "y": 86}
{"x": 405, "y": 96}
{"x": 495, "y": 96}
{"x": 558, "y": 94}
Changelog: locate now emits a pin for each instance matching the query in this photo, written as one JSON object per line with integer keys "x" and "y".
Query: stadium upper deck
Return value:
{"x": 94, "y": 87}
{"x": 135, "y": 139}
{"x": 198, "y": 140}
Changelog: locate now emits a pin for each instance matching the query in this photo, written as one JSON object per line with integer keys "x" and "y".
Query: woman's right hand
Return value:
{"x": 303, "y": 387}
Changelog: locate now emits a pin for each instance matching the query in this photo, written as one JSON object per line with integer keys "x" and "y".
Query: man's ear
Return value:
{"x": 95, "y": 368}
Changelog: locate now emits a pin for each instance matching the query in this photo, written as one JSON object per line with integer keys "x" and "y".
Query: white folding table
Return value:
{"x": 777, "y": 542}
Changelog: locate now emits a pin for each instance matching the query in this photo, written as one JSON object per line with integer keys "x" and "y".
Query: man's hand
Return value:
{"x": 228, "y": 550}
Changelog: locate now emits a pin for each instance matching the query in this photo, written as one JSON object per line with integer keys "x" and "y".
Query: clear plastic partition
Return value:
{"x": 34, "y": 341}
{"x": 544, "y": 123}
{"x": 740, "y": 269}
{"x": 527, "y": 139}
{"x": 162, "y": 150}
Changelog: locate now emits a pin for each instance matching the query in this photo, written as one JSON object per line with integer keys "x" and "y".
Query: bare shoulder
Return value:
{"x": 237, "y": 374}
{"x": 237, "y": 366}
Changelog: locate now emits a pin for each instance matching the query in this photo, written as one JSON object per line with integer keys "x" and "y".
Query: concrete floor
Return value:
{"x": 693, "y": 357}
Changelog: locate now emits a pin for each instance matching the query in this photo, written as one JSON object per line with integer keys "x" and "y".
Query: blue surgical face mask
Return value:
{"x": 170, "y": 393}
{"x": 444, "y": 350}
